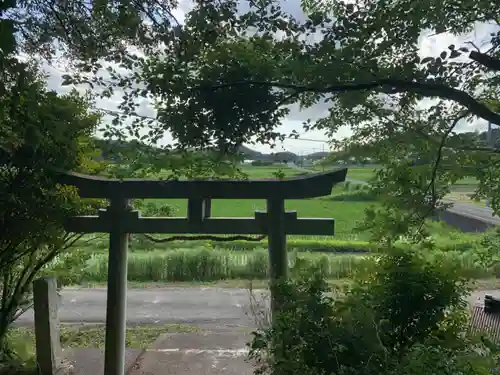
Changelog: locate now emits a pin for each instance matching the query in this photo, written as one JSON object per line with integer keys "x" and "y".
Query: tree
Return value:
{"x": 41, "y": 132}
{"x": 229, "y": 81}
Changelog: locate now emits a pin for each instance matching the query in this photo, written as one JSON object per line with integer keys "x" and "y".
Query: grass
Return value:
{"x": 465, "y": 197}
{"x": 347, "y": 207}
{"x": 346, "y": 214}
{"x": 138, "y": 337}
{"x": 215, "y": 264}
{"x": 209, "y": 265}
{"x": 22, "y": 339}
{"x": 361, "y": 173}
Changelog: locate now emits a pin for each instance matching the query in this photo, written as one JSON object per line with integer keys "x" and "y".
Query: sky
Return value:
{"x": 313, "y": 141}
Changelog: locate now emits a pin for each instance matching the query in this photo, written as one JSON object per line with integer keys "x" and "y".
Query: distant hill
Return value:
{"x": 250, "y": 154}
{"x": 113, "y": 150}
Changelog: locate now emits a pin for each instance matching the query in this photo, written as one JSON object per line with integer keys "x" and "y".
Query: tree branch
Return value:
{"x": 388, "y": 86}
{"x": 485, "y": 60}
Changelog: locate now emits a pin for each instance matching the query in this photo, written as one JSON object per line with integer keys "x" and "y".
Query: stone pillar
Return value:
{"x": 278, "y": 261}
{"x": 114, "y": 354}
{"x": 48, "y": 344}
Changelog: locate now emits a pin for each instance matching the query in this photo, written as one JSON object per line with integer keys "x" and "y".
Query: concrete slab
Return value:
{"x": 189, "y": 362}
{"x": 91, "y": 361}
{"x": 205, "y": 340}
{"x": 203, "y": 353}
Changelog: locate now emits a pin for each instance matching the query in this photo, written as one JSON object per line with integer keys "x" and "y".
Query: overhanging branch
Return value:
{"x": 389, "y": 86}
{"x": 485, "y": 60}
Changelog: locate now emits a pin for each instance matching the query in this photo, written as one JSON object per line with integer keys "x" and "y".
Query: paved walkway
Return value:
{"x": 207, "y": 353}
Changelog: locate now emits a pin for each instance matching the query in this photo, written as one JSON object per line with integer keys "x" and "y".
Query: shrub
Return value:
{"x": 403, "y": 315}
{"x": 68, "y": 267}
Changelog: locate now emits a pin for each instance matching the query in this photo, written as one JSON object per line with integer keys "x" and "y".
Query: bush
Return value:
{"x": 403, "y": 315}
{"x": 68, "y": 267}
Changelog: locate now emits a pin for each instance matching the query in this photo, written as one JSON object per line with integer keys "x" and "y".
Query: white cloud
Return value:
{"x": 429, "y": 46}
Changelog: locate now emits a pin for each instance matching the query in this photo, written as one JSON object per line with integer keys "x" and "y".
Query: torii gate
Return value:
{"x": 119, "y": 220}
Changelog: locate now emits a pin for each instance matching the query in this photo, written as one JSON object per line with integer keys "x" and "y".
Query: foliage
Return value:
{"x": 489, "y": 255}
{"x": 220, "y": 86}
{"x": 227, "y": 76}
{"x": 44, "y": 133}
{"x": 68, "y": 266}
{"x": 402, "y": 315}
{"x": 233, "y": 82}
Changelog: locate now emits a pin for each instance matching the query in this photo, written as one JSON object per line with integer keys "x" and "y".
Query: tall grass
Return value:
{"x": 204, "y": 264}
{"x": 214, "y": 264}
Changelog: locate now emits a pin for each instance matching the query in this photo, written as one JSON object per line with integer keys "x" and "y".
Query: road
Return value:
{"x": 483, "y": 213}
{"x": 205, "y": 307}
{"x": 211, "y": 307}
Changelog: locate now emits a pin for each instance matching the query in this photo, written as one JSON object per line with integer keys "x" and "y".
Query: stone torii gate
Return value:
{"x": 119, "y": 220}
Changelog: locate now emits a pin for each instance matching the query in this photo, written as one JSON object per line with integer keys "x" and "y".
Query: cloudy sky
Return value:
{"x": 312, "y": 141}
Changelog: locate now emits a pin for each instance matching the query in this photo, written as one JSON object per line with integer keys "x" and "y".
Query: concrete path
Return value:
{"x": 207, "y": 353}
{"x": 207, "y": 307}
